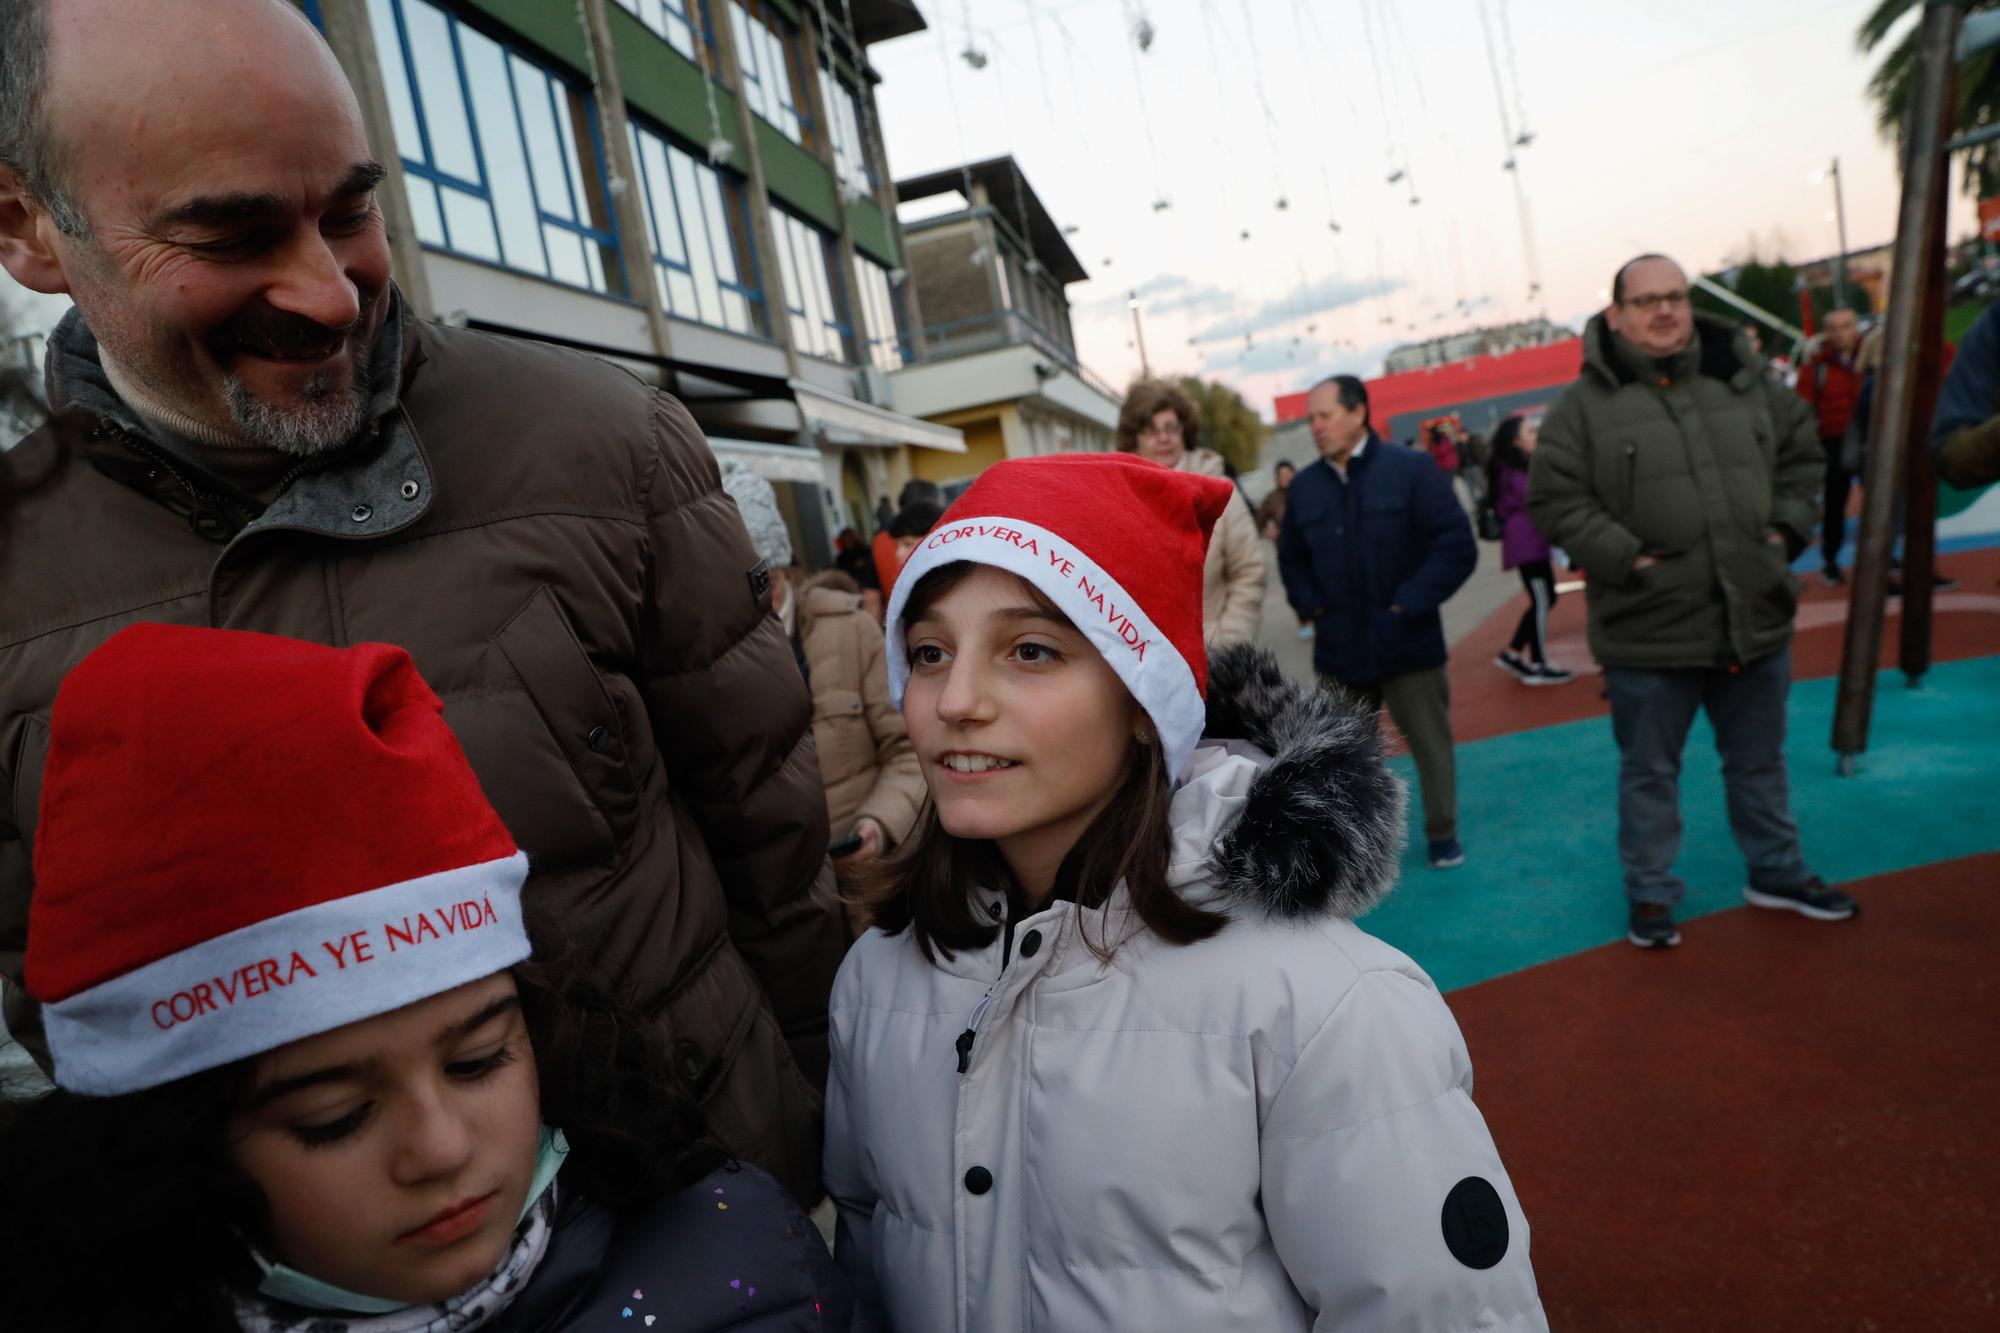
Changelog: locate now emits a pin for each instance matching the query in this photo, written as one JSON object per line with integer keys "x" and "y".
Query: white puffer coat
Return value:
{"x": 1268, "y": 1130}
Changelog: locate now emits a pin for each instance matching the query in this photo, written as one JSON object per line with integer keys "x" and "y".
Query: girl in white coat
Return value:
{"x": 1114, "y": 1055}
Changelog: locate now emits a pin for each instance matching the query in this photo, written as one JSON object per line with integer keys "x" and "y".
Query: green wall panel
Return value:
{"x": 873, "y": 236}
{"x": 666, "y": 86}
{"x": 556, "y": 28}
{"x": 796, "y": 177}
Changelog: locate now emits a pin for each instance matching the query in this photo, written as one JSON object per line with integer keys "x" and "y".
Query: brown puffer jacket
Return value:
{"x": 547, "y": 537}
{"x": 865, "y": 756}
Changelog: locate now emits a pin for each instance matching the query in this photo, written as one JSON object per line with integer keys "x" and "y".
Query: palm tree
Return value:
{"x": 1978, "y": 100}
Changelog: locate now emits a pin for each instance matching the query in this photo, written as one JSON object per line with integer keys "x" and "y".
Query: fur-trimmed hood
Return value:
{"x": 1319, "y": 827}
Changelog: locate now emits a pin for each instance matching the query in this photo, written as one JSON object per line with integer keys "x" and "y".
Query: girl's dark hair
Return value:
{"x": 927, "y": 885}
{"x": 1505, "y": 452}
{"x": 125, "y": 1212}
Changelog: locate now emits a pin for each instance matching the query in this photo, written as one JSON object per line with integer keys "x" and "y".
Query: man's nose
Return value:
{"x": 313, "y": 284}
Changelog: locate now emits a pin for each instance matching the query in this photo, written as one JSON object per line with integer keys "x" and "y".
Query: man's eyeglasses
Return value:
{"x": 1651, "y": 301}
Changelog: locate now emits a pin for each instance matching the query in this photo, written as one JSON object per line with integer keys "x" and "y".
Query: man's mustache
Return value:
{"x": 281, "y": 334}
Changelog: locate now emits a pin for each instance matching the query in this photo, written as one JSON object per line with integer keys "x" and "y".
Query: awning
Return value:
{"x": 772, "y": 462}
{"x": 843, "y": 420}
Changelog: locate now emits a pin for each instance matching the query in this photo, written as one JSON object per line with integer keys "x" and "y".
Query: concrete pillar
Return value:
{"x": 352, "y": 38}
{"x": 635, "y": 244}
{"x": 762, "y": 238}
{"x": 850, "y": 272}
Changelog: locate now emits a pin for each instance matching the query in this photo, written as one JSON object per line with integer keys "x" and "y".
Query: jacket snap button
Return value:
{"x": 599, "y": 739}
{"x": 689, "y": 1061}
{"x": 362, "y": 513}
{"x": 409, "y": 490}
{"x": 978, "y": 1180}
{"x": 1031, "y": 944}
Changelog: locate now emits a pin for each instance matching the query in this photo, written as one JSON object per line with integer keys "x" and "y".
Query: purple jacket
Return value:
{"x": 1520, "y": 540}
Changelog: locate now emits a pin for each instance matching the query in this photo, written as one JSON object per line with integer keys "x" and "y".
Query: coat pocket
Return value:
{"x": 549, "y": 754}
{"x": 841, "y": 735}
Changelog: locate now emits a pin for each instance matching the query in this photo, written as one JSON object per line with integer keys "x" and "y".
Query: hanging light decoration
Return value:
{"x": 1283, "y": 203}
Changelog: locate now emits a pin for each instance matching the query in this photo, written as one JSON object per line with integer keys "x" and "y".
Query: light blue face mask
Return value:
{"x": 307, "y": 1292}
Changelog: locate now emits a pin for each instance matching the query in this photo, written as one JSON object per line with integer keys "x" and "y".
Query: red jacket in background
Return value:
{"x": 1831, "y": 384}
{"x": 883, "y": 548}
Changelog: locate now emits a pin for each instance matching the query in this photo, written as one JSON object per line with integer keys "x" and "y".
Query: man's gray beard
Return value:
{"x": 324, "y": 419}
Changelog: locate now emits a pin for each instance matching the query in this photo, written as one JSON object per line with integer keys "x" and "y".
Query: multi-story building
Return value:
{"x": 696, "y": 189}
{"x": 990, "y": 345}
{"x": 1495, "y": 340}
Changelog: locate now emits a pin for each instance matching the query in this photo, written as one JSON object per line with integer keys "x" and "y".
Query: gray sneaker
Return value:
{"x": 1810, "y": 899}
{"x": 1651, "y": 926}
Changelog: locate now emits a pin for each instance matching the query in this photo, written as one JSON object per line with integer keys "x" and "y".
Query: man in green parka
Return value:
{"x": 1684, "y": 480}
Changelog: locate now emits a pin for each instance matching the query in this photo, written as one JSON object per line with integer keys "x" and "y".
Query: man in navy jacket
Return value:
{"x": 1373, "y": 542}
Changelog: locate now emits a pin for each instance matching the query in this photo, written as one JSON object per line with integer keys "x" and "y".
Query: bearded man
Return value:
{"x": 250, "y": 432}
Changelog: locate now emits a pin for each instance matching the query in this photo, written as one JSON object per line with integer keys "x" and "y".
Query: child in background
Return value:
{"x": 1523, "y": 547}
{"x": 1114, "y": 1054}
{"x": 308, "y": 1078}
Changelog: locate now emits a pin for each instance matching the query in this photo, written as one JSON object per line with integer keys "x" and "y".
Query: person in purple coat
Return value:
{"x": 1523, "y": 547}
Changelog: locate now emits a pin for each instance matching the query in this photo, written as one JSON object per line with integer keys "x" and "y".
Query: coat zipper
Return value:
{"x": 966, "y": 1038}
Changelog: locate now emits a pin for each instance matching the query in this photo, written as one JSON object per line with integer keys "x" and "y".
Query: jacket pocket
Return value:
{"x": 30, "y": 754}
{"x": 841, "y": 735}
{"x": 550, "y": 755}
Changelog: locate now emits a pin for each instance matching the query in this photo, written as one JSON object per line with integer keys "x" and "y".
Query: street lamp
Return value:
{"x": 1832, "y": 172}
{"x": 1139, "y": 333}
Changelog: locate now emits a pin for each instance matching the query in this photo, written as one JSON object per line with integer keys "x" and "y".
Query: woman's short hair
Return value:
{"x": 1146, "y": 400}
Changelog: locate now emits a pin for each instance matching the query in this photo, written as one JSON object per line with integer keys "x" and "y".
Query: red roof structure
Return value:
{"x": 1459, "y": 382}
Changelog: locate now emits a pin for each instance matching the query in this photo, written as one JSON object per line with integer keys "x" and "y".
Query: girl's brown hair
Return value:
{"x": 931, "y": 884}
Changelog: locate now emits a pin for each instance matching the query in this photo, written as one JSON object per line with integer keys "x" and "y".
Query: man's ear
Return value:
{"x": 27, "y": 238}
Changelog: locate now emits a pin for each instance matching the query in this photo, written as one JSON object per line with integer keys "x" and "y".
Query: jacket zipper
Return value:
{"x": 1631, "y": 475}
{"x": 966, "y": 1038}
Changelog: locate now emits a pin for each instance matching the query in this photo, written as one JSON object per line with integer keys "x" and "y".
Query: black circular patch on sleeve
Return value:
{"x": 1475, "y": 1223}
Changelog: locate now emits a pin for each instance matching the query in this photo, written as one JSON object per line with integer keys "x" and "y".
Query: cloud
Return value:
{"x": 1162, "y": 294}
{"x": 1313, "y": 299}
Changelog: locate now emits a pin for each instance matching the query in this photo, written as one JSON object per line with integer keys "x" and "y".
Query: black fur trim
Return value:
{"x": 1322, "y": 828}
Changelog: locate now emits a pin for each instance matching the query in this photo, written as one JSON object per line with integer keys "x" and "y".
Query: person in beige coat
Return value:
{"x": 874, "y": 787}
{"x": 1161, "y": 424}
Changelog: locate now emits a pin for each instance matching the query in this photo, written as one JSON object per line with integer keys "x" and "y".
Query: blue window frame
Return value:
{"x": 700, "y": 230}
{"x": 815, "y": 297}
{"x": 672, "y": 20}
{"x": 885, "y": 342}
{"x": 501, "y": 154}
{"x": 765, "y": 46}
{"x": 851, "y": 161}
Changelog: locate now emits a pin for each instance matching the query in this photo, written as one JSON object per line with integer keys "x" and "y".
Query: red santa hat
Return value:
{"x": 245, "y": 840}
{"x": 1113, "y": 540}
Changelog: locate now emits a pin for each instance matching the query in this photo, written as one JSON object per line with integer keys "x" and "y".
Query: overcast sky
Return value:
{"x": 1686, "y": 127}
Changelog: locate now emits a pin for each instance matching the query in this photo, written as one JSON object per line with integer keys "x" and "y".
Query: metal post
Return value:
{"x": 1919, "y": 474}
{"x": 1840, "y": 222}
{"x": 1896, "y": 406}
{"x": 1139, "y": 332}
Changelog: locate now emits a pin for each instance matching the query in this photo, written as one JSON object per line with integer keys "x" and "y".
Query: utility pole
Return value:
{"x": 1840, "y": 223}
{"x": 1139, "y": 332}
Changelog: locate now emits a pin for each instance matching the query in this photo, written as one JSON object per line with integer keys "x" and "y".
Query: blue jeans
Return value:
{"x": 1651, "y": 712}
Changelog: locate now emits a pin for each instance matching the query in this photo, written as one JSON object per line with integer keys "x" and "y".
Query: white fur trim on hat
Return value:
{"x": 1116, "y": 625}
{"x": 291, "y": 976}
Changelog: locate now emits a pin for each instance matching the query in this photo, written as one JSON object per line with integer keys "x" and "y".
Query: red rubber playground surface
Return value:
{"x": 1779, "y": 1125}
{"x": 1782, "y": 1124}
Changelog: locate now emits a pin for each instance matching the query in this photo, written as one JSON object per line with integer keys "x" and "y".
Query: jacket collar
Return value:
{"x": 378, "y": 484}
{"x": 1718, "y": 350}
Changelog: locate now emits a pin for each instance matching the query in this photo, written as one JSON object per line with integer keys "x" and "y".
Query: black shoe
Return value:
{"x": 1547, "y": 673}
{"x": 1652, "y": 926}
{"x": 1833, "y": 577}
{"x": 1942, "y": 582}
{"x": 1512, "y": 663}
{"x": 1812, "y": 898}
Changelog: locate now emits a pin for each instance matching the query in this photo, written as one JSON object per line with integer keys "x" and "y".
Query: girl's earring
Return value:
{"x": 1144, "y": 736}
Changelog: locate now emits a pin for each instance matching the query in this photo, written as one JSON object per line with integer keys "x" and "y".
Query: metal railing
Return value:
{"x": 1007, "y": 328}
